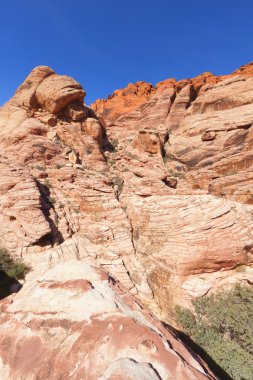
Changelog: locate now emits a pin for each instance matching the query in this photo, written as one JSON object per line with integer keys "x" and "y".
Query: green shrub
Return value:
{"x": 11, "y": 270}
{"x": 88, "y": 149}
{"x": 51, "y": 201}
{"x": 39, "y": 167}
{"x": 15, "y": 268}
{"x": 131, "y": 155}
{"x": 56, "y": 220}
{"x": 47, "y": 184}
{"x": 118, "y": 182}
{"x": 230, "y": 172}
{"x": 111, "y": 162}
{"x": 176, "y": 174}
{"x": 168, "y": 158}
{"x": 222, "y": 325}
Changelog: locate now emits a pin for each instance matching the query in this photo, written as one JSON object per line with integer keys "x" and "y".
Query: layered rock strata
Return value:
{"x": 193, "y": 235}
{"x": 155, "y": 187}
{"x": 55, "y": 182}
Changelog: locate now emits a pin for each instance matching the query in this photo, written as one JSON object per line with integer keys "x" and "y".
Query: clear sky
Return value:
{"x": 105, "y": 44}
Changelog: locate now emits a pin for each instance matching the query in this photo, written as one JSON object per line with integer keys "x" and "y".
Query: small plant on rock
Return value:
{"x": 176, "y": 174}
{"x": 11, "y": 270}
{"x": 47, "y": 184}
{"x": 41, "y": 168}
{"x": 88, "y": 149}
{"x": 51, "y": 201}
{"x": 230, "y": 172}
{"x": 111, "y": 162}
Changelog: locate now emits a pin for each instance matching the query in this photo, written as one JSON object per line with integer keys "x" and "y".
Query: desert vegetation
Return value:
{"x": 11, "y": 270}
{"x": 222, "y": 326}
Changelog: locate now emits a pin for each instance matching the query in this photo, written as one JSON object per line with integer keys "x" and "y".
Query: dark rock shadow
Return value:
{"x": 106, "y": 144}
{"x": 8, "y": 285}
{"x": 194, "y": 348}
{"x": 46, "y": 202}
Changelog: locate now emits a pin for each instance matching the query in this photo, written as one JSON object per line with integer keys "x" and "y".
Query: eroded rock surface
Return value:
{"x": 55, "y": 182}
{"x": 154, "y": 185}
{"x": 78, "y": 323}
{"x": 192, "y": 234}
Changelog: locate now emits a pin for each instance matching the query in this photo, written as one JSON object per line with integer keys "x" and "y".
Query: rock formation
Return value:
{"x": 152, "y": 185}
{"x": 194, "y": 235}
{"x": 78, "y": 323}
{"x": 56, "y": 185}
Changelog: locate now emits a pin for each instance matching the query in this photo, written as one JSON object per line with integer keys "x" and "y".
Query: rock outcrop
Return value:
{"x": 152, "y": 185}
{"x": 193, "y": 237}
{"x": 59, "y": 186}
{"x": 124, "y": 101}
{"x": 78, "y": 323}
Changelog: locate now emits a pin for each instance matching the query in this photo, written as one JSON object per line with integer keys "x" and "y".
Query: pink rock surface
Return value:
{"x": 205, "y": 128}
{"x": 78, "y": 323}
{"x": 157, "y": 191}
{"x": 57, "y": 91}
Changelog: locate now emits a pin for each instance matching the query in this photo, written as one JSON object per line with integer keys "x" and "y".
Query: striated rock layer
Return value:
{"x": 185, "y": 158}
{"x": 153, "y": 185}
{"x": 55, "y": 182}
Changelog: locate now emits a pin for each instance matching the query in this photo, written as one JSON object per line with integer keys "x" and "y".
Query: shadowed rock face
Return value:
{"x": 154, "y": 186}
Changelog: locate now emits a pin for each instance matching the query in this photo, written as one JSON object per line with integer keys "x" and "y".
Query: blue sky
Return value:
{"x": 106, "y": 44}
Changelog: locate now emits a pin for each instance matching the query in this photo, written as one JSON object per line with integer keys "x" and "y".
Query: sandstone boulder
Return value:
{"x": 73, "y": 158}
{"x": 170, "y": 181}
{"x": 149, "y": 141}
{"x": 57, "y": 91}
{"x": 93, "y": 128}
{"x": 25, "y": 94}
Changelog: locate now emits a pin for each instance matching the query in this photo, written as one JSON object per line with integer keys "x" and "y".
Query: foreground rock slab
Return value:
{"x": 79, "y": 323}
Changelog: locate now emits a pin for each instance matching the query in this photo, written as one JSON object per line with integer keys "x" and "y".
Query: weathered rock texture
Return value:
{"x": 153, "y": 184}
{"x": 193, "y": 235}
{"x": 78, "y": 323}
{"x": 55, "y": 182}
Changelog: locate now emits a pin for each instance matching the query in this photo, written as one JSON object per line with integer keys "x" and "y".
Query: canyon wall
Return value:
{"x": 185, "y": 158}
{"x": 153, "y": 187}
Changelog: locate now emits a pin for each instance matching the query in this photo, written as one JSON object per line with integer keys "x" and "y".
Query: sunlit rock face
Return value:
{"x": 56, "y": 185}
{"x": 193, "y": 237}
{"x": 75, "y": 322}
{"x": 152, "y": 185}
